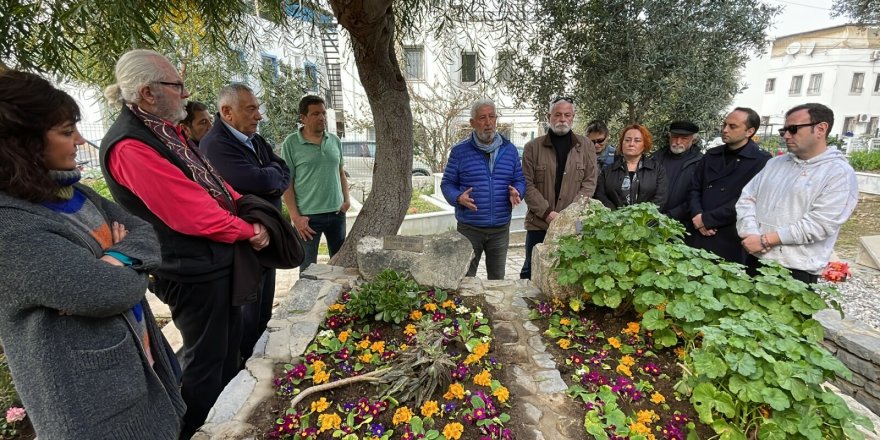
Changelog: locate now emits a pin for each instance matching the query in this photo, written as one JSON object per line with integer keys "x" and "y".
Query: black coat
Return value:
{"x": 678, "y": 185}
{"x": 649, "y": 184}
{"x": 261, "y": 173}
{"x": 715, "y": 189}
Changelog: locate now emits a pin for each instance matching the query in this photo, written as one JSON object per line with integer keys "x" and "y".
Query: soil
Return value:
{"x": 666, "y": 360}
{"x": 266, "y": 413}
{"x": 25, "y": 429}
{"x": 865, "y": 220}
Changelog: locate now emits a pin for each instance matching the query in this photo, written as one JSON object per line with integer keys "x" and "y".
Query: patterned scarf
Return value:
{"x": 491, "y": 149}
{"x": 202, "y": 171}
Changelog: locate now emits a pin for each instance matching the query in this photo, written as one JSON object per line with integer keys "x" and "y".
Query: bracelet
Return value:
{"x": 764, "y": 244}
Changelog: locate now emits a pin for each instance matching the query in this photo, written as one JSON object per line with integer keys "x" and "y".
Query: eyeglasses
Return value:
{"x": 567, "y": 99}
{"x": 178, "y": 85}
{"x": 600, "y": 141}
{"x": 793, "y": 129}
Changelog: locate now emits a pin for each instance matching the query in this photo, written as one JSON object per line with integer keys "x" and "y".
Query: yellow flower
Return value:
{"x": 646, "y": 417}
{"x": 415, "y": 315}
{"x": 624, "y": 370}
{"x": 658, "y": 398}
{"x": 403, "y": 347}
{"x": 430, "y": 408}
{"x": 378, "y": 347}
{"x": 557, "y": 303}
{"x": 456, "y": 391}
{"x": 679, "y": 351}
{"x": 320, "y": 405}
{"x": 366, "y": 358}
{"x": 430, "y": 307}
{"x": 337, "y": 307}
{"x": 564, "y": 321}
{"x": 453, "y": 431}
{"x": 329, "y": 421}
{"x": 631, "y": 329}
{"x": 481, "y": 349}
{"x": 661, "y": 307}
{"x": 448, "y": 304}
{"x": 614, "y": 342}
{"x": 410, "y": 330}
{"x": 321, "y": 377}
{"x": 639, "y": 428}
{"x": 502, "y": 394}
{"x": 318, "y": 365}
{"x": 483, "y": 379}
{"x": 363, "y": 345}
{"x": 563, "y": 343}
{"x": 343, "y": 336}
{"x": 628, "y": 361}
{"x": 402, "y": 415}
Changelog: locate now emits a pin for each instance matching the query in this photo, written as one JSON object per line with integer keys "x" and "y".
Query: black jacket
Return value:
{"x": 649, "y": 184}
{"x": 715, "y": 188}
{"x": 261, "y": 172}
{"x": 678, "y": 185}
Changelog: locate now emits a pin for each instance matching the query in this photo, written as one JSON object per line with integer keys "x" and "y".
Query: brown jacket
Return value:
{"x": 539, "y": 167}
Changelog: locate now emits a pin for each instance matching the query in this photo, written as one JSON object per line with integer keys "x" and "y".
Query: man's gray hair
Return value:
{"x": 134, "y": 70}
{"x": 481, "y": 103}
{"x": 553, "y": 104}
{"x": 228, "y": 95}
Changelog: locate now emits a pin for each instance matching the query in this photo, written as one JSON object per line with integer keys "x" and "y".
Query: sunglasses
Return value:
{"x": 793, "y": 129}
{"x": 600, "y": 141}
{"x": 567, "y": 99}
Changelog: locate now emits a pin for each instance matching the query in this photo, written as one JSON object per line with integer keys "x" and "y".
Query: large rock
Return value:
{"x": 442, "y": 263}
{"x": 542, "y": 256}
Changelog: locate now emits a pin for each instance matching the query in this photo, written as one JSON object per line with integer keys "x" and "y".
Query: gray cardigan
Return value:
{"x": 83, "y": 374}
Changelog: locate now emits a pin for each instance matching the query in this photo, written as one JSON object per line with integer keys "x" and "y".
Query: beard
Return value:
{"x": 167, "y": 110}
{"x": 560, "y": 129}
{"x": 485, "y": 137}
{"x": 678, "y": 149}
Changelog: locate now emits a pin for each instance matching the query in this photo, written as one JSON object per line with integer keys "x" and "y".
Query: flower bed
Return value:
{"x": 16, "y": 425}
{"x": 752, "y": 365}
{"x": 395, "y": 361}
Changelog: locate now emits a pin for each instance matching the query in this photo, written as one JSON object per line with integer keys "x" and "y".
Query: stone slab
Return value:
{"x": 232, "y": 398}
{"x": 537, "y": 344}
{"x": 549, "y": 382}
{"x": 533, "y": 414}
{"x": 544, "y": 360}
{"x": 530, "y": 327}
{"x": 869, "y": 251}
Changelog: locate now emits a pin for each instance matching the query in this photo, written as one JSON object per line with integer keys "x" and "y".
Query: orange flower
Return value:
{"x": 628, "y": 361}
{"x": 679, "y": 351}
{"x": 456, "y": 391}
{"x": 430, "y": 408}
{"x": 502, "y": 394}
{"x": 366, "y": 358}
{"x": 658, "y": 398}
{"x": 415, "y": 315}
{"x": 448, "y": 304}
{"x": 563, "y": 343}
{"x": 343, "y": 336}
{"x": 329, "y": 421}
{"x": 363, "y": 345}
{"x": 402, "y": 415}
{"x": 624, "y": 370}
{"x": 631, "y": 329}
{"x": 453, "y": 431}
{"x": 378, "y": 346}
{"x": 320, "y": 405}
{"x": 321, "y": 377}
{"x": 430, "y": 307}
{"x": 661, "y": 307}
{"x": 336, "y": 307}
{"x": 614, "y": 342}
{"x": 318, "y": 365}
{"x": 483, "y": 379}
{"x": 410, "y": 330}
{"x": 564, "y": 321}
{"x": 646, "y": 417}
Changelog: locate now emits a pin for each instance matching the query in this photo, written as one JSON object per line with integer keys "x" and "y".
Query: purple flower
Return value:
{"x": 544, "y": 308}
{"x": 298, "y": 371}
{"x": 449, "y": 407}
{"x": 377, "y": 429}
{"x": 312, "y": 357}
{"x": 652, "y": 369}
{"x": 437, "y": 316}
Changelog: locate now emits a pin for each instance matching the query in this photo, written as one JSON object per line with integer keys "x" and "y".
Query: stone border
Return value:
{"x": 869, "y": 183}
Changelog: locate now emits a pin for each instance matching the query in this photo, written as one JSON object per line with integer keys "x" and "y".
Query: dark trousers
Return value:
{"x": 210, "y": 328}
{"x": 255, "y": 316}
{"x": 494, "y": 241}
{"x": 532, "y": 238}
{"x": 332, "y": 225}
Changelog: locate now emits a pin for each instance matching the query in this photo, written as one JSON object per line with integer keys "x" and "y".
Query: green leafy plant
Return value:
{"x": 865, "y": 160}
{"x": 389, "y": 297}
{"x": 755, "y": 364}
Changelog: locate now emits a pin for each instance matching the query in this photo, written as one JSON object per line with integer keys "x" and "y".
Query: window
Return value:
{"x": 770, "y": 85}
{"x": 858, "y": 82}
{"x": 270, "y": 65}
{"x": 505, "y": 66}
{"x": 815, "y": 84}
{"x": 796, "y": 83}
{"x": 414, "y": 62}
{"x": 877, "y": 84}
{"x": 468, "y": 67}
{"x": 849, "y": 124}
{"x": 872, "y": 126}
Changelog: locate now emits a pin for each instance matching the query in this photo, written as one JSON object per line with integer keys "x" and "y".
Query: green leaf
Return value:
{"x": 742, "y": 363}
{"x": 605, "y": 282}
{"x": 708, "y": 364}
{"x": 477, "y": 402}
{"x": 654, "y": 320}
{"x": 665, "y": 338}
{"x": 809, "y": 425}
{"x": 775, "y": 398}
{"x": 813, "y": 331}
{"x": 649, "y": 298}
{"x": 771, "y": 431}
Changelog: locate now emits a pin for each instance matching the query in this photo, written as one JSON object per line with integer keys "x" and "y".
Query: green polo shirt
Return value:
{"x": 314, "y": 171}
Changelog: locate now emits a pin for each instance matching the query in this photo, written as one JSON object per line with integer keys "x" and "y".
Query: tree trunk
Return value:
{"x": 370, "y": 24}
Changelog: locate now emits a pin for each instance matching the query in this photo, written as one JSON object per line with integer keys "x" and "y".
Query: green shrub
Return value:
{"x": 391, "y": 296}
{"x": 99, "y": 185}
{"x": 755, "y": 366}
{"x": 8, "y": 395}
{"x": 865, "y": 160}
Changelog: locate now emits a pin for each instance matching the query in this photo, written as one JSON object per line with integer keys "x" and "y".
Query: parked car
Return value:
{"x": 360, "y": 156}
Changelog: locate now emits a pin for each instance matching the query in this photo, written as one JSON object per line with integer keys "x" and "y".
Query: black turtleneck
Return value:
{"x": 562, "y": 145}
{"x": 672, "y": 162}
{"x": 730, "y": 154}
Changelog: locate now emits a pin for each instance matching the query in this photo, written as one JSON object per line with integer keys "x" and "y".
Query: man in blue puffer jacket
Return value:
{"x": 484, "y": 180}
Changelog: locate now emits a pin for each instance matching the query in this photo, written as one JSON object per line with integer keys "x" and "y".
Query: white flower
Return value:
{"x": 462, "y": 309}
{"x": 581, "y": 371}
{"x": 447, "y": 330}
{"x": 326, "y": 334}
{"x": 478, "y": 315}
{"x": 486, "y": 339}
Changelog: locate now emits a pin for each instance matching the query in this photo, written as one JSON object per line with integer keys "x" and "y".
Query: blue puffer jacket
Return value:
{"x": 468, "y": 167}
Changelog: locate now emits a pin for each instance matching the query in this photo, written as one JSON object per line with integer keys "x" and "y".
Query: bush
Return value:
{"x": 865, "y": 160}
{"x": 390, "y": 297}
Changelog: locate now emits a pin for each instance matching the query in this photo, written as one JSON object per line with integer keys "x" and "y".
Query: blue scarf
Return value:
{"x": 490, "y": 149}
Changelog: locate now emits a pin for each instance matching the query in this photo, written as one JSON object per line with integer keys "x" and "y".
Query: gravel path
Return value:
{"x": 861, "y": 296}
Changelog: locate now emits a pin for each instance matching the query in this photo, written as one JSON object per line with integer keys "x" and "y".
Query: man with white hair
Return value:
{"x": 560, "y": 167}
{"x": 248, "y": 163}
{"x": 152, "y": 172}
{"x": 483, "y": 180}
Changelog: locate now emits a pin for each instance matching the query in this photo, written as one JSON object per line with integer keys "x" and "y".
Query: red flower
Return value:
{"x": 836, "y": 271}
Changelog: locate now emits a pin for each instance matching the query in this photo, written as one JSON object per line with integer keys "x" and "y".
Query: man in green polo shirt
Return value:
{"x": 318, "y": 194}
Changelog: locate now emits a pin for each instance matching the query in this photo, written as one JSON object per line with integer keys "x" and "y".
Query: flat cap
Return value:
{"x": 683, "y": 127}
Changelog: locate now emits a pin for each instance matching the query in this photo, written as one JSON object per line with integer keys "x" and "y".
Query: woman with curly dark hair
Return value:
{"x": 86, "y": 355}
{"x": 633, "y": 177}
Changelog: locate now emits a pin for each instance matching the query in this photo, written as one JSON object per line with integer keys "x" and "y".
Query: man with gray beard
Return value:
{"x": 559, "y": 167}
{"x": 154, "y": 174}
{"x": 679, "y": 160}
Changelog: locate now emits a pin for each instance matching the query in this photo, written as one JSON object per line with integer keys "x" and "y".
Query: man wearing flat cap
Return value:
{"x": 679, "y": 160}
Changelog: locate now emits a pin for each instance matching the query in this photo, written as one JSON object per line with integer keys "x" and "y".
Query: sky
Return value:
{"x": 796, "y": 16}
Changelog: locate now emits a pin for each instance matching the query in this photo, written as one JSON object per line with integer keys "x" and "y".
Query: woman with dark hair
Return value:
{"x": 633, "y": 177}
{"x": 86, "y": 355}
